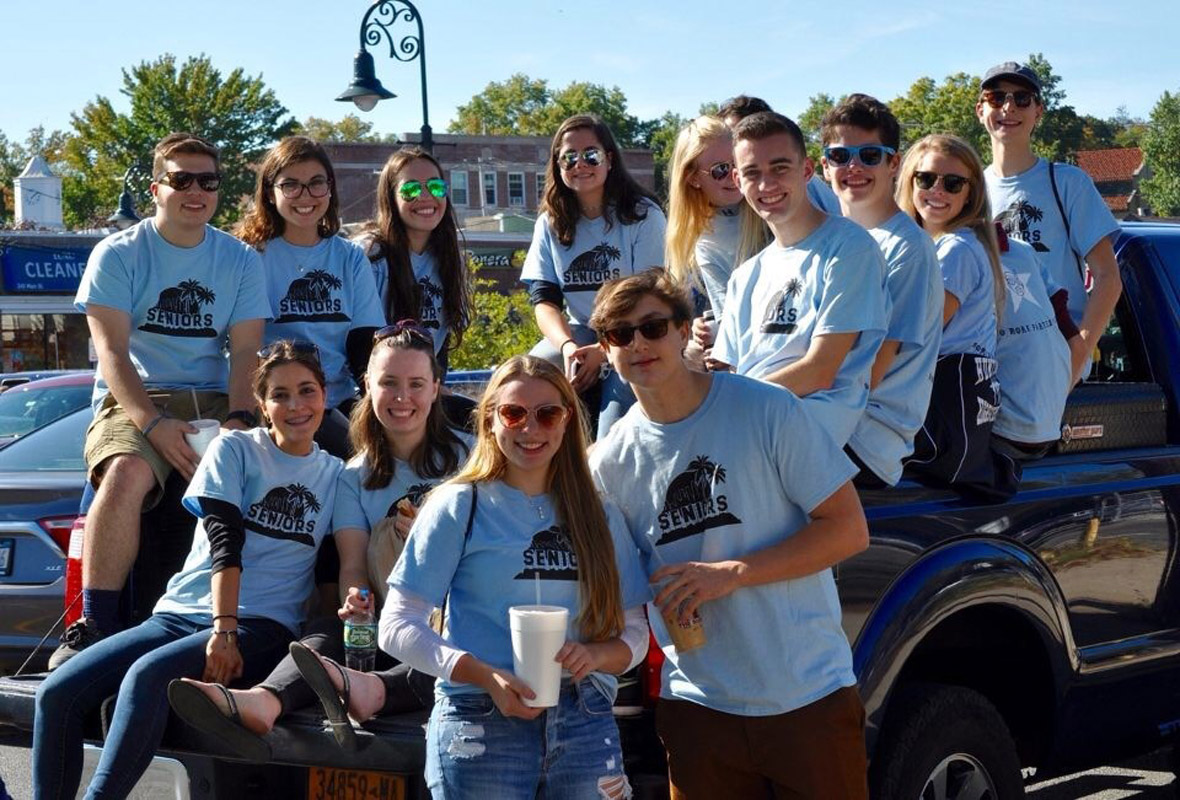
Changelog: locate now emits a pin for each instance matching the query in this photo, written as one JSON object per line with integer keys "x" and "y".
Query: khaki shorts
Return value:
{"x": 112, "y": 433}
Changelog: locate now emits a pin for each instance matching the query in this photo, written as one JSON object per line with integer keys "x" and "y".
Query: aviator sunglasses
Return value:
{"x": 719, "y": 171}
{"x": 652, "y": 329}
{"x": 298, "y": 346}
{"x": 515, "y": 416}
{"x": 952, "y": 183}
{"x": 412, "y": 190}
{"x": 591, "y": 157}
{"x": 869, "y": 155}
{"x": 996, "y": 98}
{"x": 181, "y": 180}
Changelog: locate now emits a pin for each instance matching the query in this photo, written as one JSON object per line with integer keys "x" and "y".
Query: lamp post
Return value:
{"x": 365, "y": 90}
{"x": 125, "y": 215}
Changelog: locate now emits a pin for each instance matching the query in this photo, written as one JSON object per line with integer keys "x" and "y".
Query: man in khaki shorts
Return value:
{"x": 165, "y": 300}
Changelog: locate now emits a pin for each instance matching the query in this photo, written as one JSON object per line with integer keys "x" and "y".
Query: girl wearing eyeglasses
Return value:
{"x": 522, "y": 516}
{"x": 704, "y": 220}
{"x": 404, "y": 447}
{"x": 320, "y": 286}
{"x": 264, "y": 498}
{"x": 596, "y": 223}
{"x": 941, "y": 186}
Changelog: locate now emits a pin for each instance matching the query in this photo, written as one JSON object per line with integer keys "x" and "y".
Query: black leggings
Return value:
{"x": 405, "y": 689}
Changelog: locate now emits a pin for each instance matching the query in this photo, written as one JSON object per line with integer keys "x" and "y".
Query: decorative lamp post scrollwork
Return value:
{"x": 365, "y": 90}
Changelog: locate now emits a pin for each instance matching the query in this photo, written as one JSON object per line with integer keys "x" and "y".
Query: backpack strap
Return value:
{"x": 1065, "y": 218}
{"x": 466, "y": 537}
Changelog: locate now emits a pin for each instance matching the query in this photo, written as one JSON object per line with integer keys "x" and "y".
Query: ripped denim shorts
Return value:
{"x": 569, "y": 752}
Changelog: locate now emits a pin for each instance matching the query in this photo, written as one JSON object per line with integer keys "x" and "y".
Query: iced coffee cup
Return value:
{"x": 685, "y": 637}
{"x": 538, "y": 632}
{"x": 207, "y": 430}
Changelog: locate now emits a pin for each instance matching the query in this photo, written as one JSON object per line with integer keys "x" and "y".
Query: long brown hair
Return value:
{"x": 388, "y": 233}
{"x": 577, "y": 503}
{"x": 976, "y": 213}
{"x": 438, "y": 453}
{"x": 262, "y": 221}
{"x": 622, "y": 195}
{"x": 689, "y": 210}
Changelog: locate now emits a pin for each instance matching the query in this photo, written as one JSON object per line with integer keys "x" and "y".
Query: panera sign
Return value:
{"x": 497, "y": 257}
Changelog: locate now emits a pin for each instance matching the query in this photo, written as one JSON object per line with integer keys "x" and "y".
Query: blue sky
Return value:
{"x": 664, "y": 55}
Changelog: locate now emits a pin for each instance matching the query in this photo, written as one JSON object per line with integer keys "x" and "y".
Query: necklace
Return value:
{"x": 538, "y": 505}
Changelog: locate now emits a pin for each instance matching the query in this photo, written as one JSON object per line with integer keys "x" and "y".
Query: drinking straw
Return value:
{"x": 196, "y": 406}
{"x": 537, "y": 584}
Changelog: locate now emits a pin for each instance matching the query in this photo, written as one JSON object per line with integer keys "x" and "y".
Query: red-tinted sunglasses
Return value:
{"x": 516, "y": 416}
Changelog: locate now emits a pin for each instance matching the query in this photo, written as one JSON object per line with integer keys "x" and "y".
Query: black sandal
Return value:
{"x": 194, "y": 707}
{"x": 335, "y": 703}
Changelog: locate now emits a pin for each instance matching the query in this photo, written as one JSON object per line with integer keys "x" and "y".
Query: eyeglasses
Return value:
{"x": 952, "y": 183}
{"x": 719, "y": 171}
{"x": 869, "y": 155}
{"x": 181, "y": 180}
{"x": 406, "y": 326}
{"x": 996, "y": 98}
{"x": 298, "y": 347}
{"x": 412, "y": 190}
{"x": 317, "y": 187}
{"x": 591, "y": 157}
{"x": 547, "y": 416}
{"x": 652, "y": 329}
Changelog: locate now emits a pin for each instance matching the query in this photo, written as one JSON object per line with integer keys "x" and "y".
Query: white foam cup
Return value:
{"x": 538, "y": 632}
{"x": 207, "y": 430}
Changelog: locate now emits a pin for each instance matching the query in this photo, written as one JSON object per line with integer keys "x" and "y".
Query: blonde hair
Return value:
{"x": 689, "y": 210}
{"x": 976, "y": 213}
{"x": 575, "y": 499}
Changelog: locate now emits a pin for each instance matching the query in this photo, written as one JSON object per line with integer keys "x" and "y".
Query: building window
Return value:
{"x": 459, "y": 187}
{"x": 489, "y": 189}
{"x": 516, "y": 189}
{"x": 540, "y": 187}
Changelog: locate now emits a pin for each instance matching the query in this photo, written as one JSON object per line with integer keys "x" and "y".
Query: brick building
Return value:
{"x": 1116, "y": 173}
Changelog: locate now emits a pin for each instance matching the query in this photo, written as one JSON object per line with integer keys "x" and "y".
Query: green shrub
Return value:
{"x": 503, "y": 326}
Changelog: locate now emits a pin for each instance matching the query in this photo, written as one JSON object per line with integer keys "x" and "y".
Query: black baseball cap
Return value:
{"x": 1012, "y": 71}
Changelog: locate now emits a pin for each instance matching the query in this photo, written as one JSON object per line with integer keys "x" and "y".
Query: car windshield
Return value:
{"x": 57, "y": 446}
{"x": 24, "y": 410}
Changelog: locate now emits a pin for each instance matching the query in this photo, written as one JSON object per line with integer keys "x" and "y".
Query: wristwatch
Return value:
{"x": 241, "y": 415}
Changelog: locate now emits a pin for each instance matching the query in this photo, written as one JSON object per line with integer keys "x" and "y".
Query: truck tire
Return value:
{"x": 944, "y": 743}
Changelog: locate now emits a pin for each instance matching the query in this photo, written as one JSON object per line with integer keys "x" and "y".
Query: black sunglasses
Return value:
{"x": 411, "y": 327}
{"x": 293, "y": 189}
{"x": 181, "y": 180}
{"x": 869, "y": 155}
{"x": 952, "y": 183}
{"x": 996, "y": 98}
{"x": 652, "y": 329}
{"x": 591, "y": 157}
{"x": 299, "y": 347}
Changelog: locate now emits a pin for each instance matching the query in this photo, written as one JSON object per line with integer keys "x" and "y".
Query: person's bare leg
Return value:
{"x": 258, "y": 707}
{"x": 367, "y": 691}
{"x": 112, "y": 524}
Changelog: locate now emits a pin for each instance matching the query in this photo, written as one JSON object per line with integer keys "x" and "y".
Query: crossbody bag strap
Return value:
{"x": 1065, "y": 218}
{"x": 466, "y": 537}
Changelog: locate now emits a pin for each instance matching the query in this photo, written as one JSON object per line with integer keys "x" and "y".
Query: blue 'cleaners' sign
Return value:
{"x": 43, "y": 269}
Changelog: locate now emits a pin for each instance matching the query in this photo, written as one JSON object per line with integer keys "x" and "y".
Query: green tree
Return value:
{"x": 14, "y": 156}
{"x": 949, "y": 107}
{"x": 661, "y": 140}
{"x": 1161, "y": 152}
{"x": 235, "y": 111}
{"x": 1061, "y": 132}
{"x": 503, "y": 326}
{"x": 350, "y": 128}
{"x": 811, "y": 121}
{"x": 515, "y": 107}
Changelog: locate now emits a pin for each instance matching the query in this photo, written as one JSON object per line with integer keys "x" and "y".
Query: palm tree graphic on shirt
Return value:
{"x": 177, "y": 311}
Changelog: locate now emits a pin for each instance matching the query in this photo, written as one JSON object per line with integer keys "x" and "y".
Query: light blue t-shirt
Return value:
{"x": 513, "y": 538}
{"x": 716, "y": 253}
{"x": 704, "y": 489}
{"x": 967, "y": 274}
{"x": 1025, "y": 206}
{"x": 833, "y": 281}
{"x": 897, "y": 407}
{"x": 822, "y": 196}
{"x": 596, "y": 256}
{"x": 182, "y": 302}
{"x": 286, "y": 503}
{"x": 1034, "y": 360}
{"x": 431, "y": 314}
{"x": 318, "y": 294}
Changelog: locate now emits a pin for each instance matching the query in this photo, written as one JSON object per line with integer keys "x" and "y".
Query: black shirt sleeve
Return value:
{"x": 227, "y": 534}
{"x": 546, "y": 292}
{"x": 358, "y": 347}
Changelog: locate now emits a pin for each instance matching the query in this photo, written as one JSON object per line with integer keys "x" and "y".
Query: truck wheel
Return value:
{"x": 944, "y": 743}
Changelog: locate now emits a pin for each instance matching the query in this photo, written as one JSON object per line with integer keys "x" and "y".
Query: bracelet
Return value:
{"x": 225, "y": 616}
{"x": 232, "y": 635}
{"x": 153, "y": 424}
{"x": 563, "y": 344}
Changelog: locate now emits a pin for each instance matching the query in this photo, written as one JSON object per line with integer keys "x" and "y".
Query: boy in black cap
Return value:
{"x": 1053, "y": 207}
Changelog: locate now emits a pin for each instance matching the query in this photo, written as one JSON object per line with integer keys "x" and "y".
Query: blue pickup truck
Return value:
{"x": 1040, "y": 633}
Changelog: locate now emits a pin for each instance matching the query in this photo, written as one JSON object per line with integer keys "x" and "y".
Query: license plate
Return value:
{"x": 6, "y": 548}
{"x": 325, "y": 783}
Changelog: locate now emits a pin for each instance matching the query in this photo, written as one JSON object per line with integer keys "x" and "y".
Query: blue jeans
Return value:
{"x": 472, "y": 750}
{"x": 617, "y": 395}
{"x": 137, "y": 664}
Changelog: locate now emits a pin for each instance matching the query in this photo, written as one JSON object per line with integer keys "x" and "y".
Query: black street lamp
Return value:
{"x": 125, "y": 215}
{"x": 365, "y": 90}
